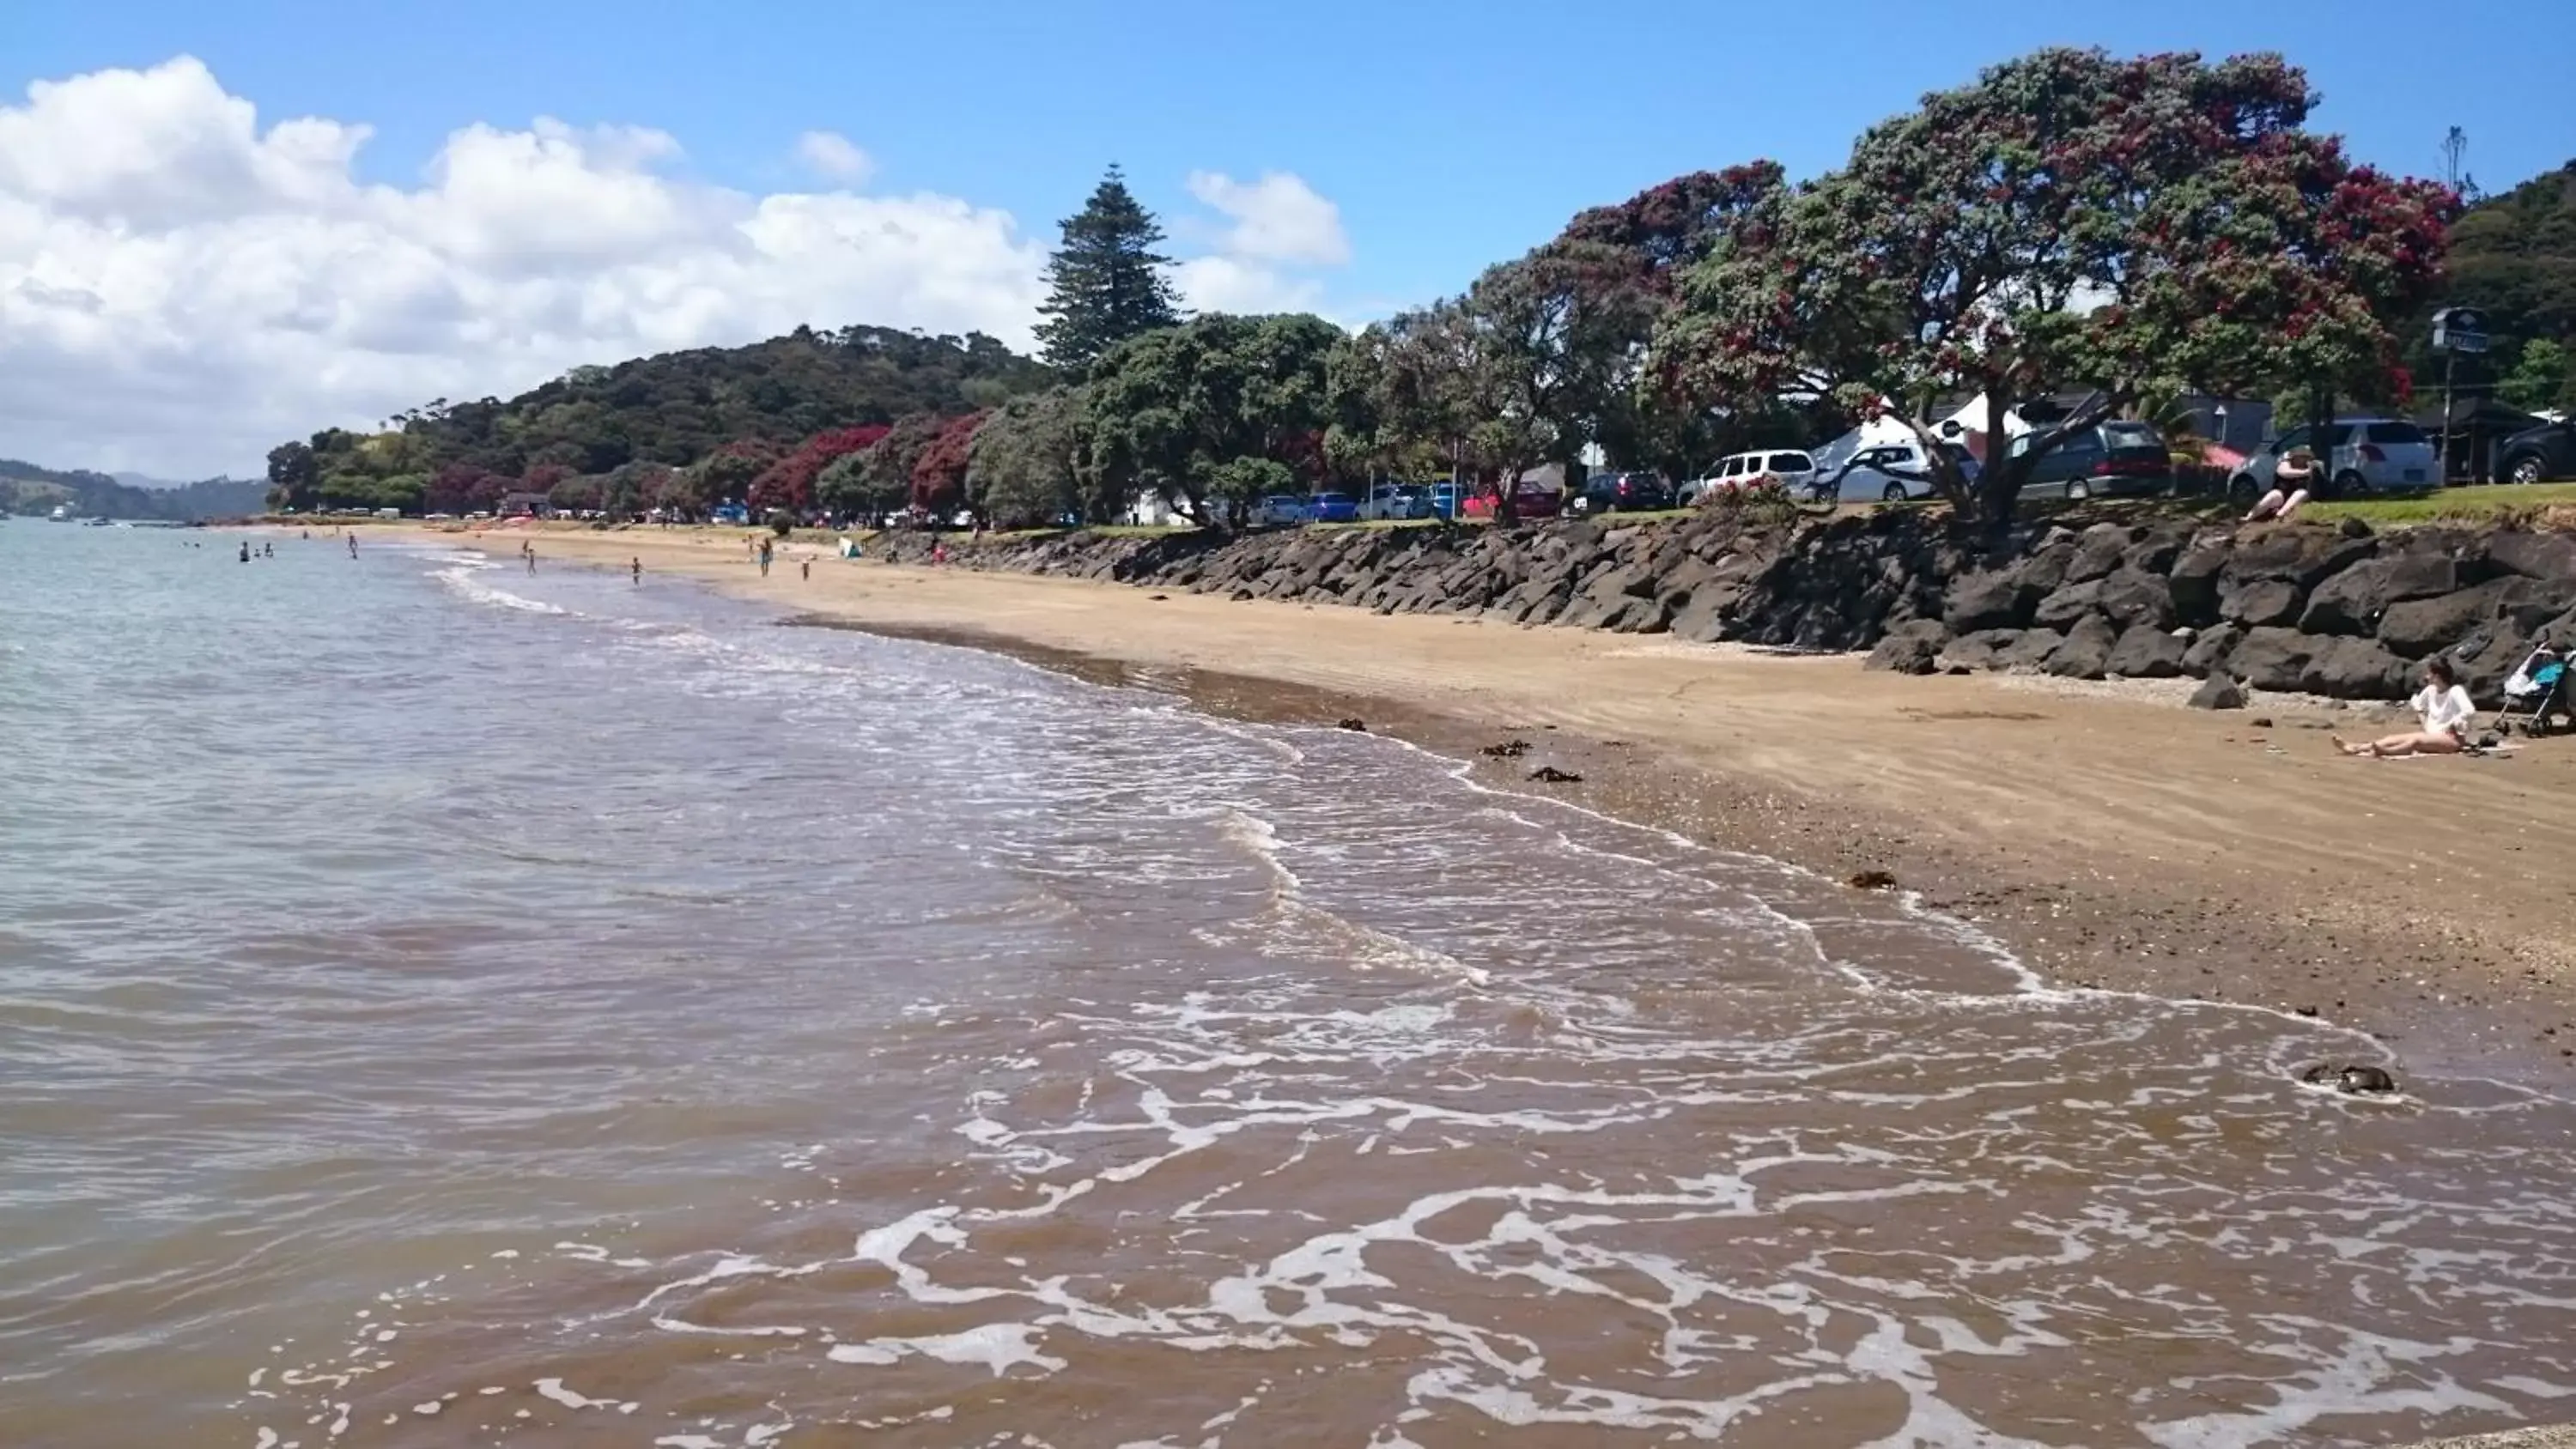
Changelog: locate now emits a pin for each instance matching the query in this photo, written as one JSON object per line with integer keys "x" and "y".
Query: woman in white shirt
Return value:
{"x": 2446, "y": 712}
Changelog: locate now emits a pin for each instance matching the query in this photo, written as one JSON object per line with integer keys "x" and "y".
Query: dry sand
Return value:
{"x": 2111, "y": 837}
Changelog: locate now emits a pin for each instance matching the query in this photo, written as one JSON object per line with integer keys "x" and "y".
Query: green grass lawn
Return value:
{"x": 2467, "y": 504}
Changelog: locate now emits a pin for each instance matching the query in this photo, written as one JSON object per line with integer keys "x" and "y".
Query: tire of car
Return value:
{"x": 1893, "y": 493}
{"x": 2524, "y": 470}
{"x": 2348, "y": 484}
{"x": 2077, "y": 492}
{"x": 2243, "y": 489}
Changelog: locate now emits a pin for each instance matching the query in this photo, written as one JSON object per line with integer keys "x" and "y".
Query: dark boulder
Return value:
{"x": 2133, "y": 597}
{"x": 2352, "y": 601}
{"x": 1911, "y": 648}
{"x": 2348, "y": 668}
{"x": 2031, "y": 650}
{"x": 2260, "y": 603}
{"x": 2097, "y": 552}
{"x": 2534, "y": 555}
{"x": 2273, "y": 658}
{"x": 2302, "y": 555}
{"x": 2218, "y": 692}
{"x": 1983, "y": 649}
{"x": 2086, "y": 651}
{"x": 2158, "y": 547}
{"x": 2061, "y": 610}
{"x": 2420, "y": 626}
{"x": 1988, "y": 601}
{"x": 2044, "y": 572}
{"x": 2147, "y": 652}
{"x": 2209, "y": 651}
{"x": 2193, "y": 582}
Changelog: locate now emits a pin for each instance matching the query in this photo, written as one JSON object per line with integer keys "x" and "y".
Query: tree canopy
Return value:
{"x": 1168, "y": 411}
{"x": 1025, "y": 463}
{"x": 1106, "y": 282}
{"x": 2070, "y": 221}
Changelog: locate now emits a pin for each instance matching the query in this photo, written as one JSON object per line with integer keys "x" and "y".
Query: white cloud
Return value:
{"x": 180, "y": 289}
{"x": 834, "y": 158}
{"x": 1278, "y": 218}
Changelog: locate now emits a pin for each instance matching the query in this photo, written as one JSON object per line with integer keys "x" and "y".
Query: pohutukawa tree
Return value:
{"x": 2070, "y": 222}
{"x": 1023, "y": 466}
{"x": 1106, "y": 283}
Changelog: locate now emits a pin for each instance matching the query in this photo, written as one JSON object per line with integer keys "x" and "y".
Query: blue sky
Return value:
{"x": 1450, "y": 134}
{"x": 227, "y": 224}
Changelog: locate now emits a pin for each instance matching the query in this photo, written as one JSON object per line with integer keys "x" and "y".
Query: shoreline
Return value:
{"x": 2095, "y": 835}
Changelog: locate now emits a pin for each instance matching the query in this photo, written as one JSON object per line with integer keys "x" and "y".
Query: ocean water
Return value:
{"x": 443, "y": 1005}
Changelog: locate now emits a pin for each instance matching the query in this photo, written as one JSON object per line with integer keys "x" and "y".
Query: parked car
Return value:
{"x": 2115, "y": 459}
{"x": 1531, "y": 498}
{"x": 1389, "y": 501}
{"x": 1442, "y": 500}
{"x": 1771, "y": 467}
{"x": 2537, "y": 454}
{"x": 1332, "y": 508}
{"x": 2357, "y": 455}
{"x": 1621, "y": 493}
{"x": 1279, "y": 510}
{"x": 1893, "y": 473}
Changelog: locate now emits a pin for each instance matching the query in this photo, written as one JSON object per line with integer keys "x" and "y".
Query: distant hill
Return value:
{"x": 681, "y": 406}
{"x": 31, "y": 488}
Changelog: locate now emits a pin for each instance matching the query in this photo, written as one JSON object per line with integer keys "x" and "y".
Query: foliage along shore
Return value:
{"x": 2124, "y": 228}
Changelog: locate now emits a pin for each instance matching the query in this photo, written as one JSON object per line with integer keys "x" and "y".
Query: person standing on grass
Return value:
{"x": 2291, "y": 484}
{"x": 2444, "y": 709}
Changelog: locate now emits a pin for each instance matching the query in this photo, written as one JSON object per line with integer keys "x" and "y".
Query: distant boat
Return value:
{"x": 62, "y": 513}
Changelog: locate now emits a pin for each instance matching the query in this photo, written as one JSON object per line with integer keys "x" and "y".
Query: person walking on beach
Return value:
{"x": 764, "y": 558}
{"x": 805, "y": 567}
{"x": 2291, "y": 483}
{"x": 530, "y": 550}
{"x": 353, "y": 545}
{"x": 245, "y": 550}
{"x": 2445, "y": 711}
{"x": 635, "y": 568}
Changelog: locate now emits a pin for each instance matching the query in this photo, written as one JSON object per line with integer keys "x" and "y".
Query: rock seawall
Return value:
{"x": 2324, "y": 609}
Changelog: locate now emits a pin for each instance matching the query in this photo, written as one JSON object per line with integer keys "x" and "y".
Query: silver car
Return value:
{"x": 2357, "y": 456}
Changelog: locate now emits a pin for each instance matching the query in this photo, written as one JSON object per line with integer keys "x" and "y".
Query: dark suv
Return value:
{"x": 2536, "y": 454}
{"x": 1622, "y": 493}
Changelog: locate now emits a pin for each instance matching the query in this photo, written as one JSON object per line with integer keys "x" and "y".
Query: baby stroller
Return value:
{"x": 2537, "y": 691}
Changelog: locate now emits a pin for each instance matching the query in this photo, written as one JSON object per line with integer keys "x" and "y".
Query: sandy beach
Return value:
{"x": 2114, "y": 840}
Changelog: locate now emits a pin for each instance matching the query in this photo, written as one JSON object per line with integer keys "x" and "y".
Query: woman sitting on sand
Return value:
{"x": 2446, "y": 711}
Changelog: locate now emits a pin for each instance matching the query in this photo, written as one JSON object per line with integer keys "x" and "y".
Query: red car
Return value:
{"x": 1530, "y": 500}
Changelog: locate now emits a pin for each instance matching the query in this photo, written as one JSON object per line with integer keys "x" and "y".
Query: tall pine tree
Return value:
{"x": 1106, "y": 281}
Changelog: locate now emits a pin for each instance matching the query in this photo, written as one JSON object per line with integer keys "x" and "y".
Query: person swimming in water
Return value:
{"x": 353, "y": 545}
{"x": 635, "y": 568}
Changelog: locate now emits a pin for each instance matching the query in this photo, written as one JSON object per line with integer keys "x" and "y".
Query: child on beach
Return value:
{"x": 2445, "y": 710}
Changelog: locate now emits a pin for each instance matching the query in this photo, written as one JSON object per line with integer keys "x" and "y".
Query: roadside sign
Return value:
{"x": 2460, "y": 329}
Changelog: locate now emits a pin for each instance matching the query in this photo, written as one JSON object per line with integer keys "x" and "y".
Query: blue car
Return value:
{"x": 1332, "y": 508}
{"x": 1443, "y": 500}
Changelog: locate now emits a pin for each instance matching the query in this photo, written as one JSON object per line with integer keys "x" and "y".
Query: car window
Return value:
{"x": 2396, "y": 433}
{"x": 1792, "y": 462}
{"x": 2338, "y": 435}
{"x": 2087, "y": 441}
{"x": 2130, "y": 435}
{"x": 1732, "y": 466}
{"x": 2294, "y": 438}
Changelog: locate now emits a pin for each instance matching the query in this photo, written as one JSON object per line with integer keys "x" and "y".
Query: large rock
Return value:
{"x": 2347, "y": 668}
{"x": 2133, "y": 597}
{"x": 2273, "y": 658}
{"x": 2147, "y": 652}
{"x": 2218, "y": 692}
{"x": 2534, "y": 555}
{"x": 2158, "y": 547}
{"x": 2044, "y": 572}
{"x": 2352, "y": 601}
{"x": 1988, "y": 601}
{"x": 2208, "y": 652}
{"x": 2260, "y": 603}
{"x": 2086, "y": 651}
{"x": 2061, "y": 610}
{"x": 2301, "y": 555}
{"x": 2193, "y": 582}
{"x": 2031, "y": 650}
{"x": 1911, "y": 648}
{"x": 2099, "y": 551}
{"x": 2420, "y": 626}
{"x": 1983, "y": 649}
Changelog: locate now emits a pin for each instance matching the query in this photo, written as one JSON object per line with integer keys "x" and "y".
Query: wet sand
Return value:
{"x": 2113, "y": 842}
